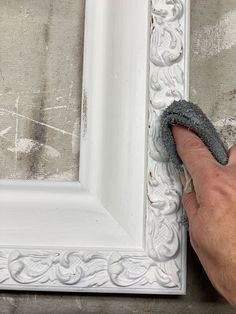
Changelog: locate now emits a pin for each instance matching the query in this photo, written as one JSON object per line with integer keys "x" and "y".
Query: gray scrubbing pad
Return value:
{"x": 191, "y": 116}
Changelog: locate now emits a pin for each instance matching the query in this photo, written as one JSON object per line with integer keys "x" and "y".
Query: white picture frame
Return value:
{"x": 120, "y": 229}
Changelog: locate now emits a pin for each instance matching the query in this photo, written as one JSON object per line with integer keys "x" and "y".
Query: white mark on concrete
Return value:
{"x": 51, "y": 152}
{"x": 36, "y": 92}
{"x": 79, "y": 303}
{"x": 85, "y": 113}
{"x": 59, "y": 98}
{"x": 5, "y": 131}
{"x": 68, "y": 175}
{"x": 37, "y": 122}
{"x": 227, "y": 129}
{"x": 75, "y": 138}
{"x": 10, "y": 300}
{"x": 70, "y": 89}
{"x": 23, "y": 145}
{"x": 69, "y": 96}
{"x": 27, "y": 146}
{"x": 193, "y": 91}
{"x": 210, "y": 40}
{"x": 16, "y": 129}
{"x": 54, "y": 108}
{"x": 2, "y": 75}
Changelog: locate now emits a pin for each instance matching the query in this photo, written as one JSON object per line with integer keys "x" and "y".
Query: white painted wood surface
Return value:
{"x": 119, "y": 229}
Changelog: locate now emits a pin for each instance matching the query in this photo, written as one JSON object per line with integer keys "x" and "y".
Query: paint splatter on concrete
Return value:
{"x": 210, "y": 40}
{"x": 27, "y": 146}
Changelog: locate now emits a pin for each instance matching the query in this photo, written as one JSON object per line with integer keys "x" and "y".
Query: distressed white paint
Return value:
{"x": 119, "y": 229}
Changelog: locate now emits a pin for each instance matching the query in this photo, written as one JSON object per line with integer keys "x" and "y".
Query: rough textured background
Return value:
{"x": 213, "y": 86}
{"x": 41, "y": 58}
{"x": 213, "y": 65}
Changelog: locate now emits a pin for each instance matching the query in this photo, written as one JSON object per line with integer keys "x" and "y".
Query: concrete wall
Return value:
{"x": 213, "y": 62}
{"x": 213, "y": 86}
{"x": 41, "y": 58}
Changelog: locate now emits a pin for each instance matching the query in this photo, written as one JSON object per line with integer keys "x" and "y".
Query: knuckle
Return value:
{"x": 217, "y": 188}
{"x": 192, "y": 143}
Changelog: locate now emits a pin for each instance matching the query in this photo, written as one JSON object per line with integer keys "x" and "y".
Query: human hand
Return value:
{"x": 211, "y": 210}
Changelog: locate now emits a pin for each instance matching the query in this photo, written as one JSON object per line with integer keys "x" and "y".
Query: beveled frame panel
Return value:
{"x": 136, "y": 60}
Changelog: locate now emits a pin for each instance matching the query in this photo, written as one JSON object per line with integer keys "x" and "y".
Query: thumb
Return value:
{"x": 194, "y": 154}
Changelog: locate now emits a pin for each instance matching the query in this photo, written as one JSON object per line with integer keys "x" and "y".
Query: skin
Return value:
{"x": 211, "y": 210}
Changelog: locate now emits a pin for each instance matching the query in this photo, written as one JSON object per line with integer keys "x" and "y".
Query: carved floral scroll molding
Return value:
{"x": 159, "y": 267}
{"x": 85, "y": 269}
{"x": 163, "y": 228}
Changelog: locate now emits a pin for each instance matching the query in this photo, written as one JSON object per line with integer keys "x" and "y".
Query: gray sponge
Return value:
{"x": 191, "y": 116}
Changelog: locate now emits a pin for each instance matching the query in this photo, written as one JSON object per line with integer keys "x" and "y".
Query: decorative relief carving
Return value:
{"x": 66, "y": 268}
{"x": 160, "y": 266}
{"x": 85, "y": 269}
{"x": 163, "y": 228}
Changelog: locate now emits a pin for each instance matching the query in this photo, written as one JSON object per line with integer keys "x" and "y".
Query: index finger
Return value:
{"x": 194, "y": 153}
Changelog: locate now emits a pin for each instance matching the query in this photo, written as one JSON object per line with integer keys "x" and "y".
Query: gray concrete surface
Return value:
{"x": 213, "y": 62}
{"x": 41, "y": 58}
{"x": 213, "y": 86}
